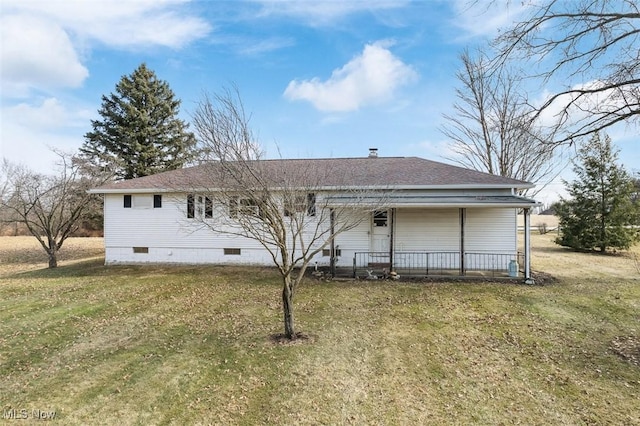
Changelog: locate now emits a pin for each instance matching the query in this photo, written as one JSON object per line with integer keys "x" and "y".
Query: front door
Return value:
{"x": 380, "y": 231}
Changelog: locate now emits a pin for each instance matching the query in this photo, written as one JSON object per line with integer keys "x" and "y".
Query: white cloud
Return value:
{"x": 42, "y": 40}
{"x": 267, "y": 45}
{"x": 29, "y": 129}
{"x": 48, "y": 114}
{"x": 370, "y": 77}
{"x": 122, "y": 23}
{"x": 576, "y": 109}
{"x": 484, "y": 18}
{"x": 325, "y": 12}
{"x": 36, "y": 52}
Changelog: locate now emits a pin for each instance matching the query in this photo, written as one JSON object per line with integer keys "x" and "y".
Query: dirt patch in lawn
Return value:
{"x": 282, "y": 339}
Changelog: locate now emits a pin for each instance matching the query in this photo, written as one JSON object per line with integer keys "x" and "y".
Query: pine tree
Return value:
{"x": 139, "y": 133}
{"x": 600, "y": 212}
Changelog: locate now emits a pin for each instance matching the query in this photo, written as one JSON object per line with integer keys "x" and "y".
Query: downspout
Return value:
{"x": 463, "y": 216}
{"x": 332, "y": 246}
{"x": 527, "y": 247}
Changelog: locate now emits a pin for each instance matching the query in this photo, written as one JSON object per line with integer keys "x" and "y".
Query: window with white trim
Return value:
{"x": 300, "y": 203}
{"x": 243, "y": 206}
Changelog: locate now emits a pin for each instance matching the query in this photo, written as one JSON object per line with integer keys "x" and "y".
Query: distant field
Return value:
{"x": 190, "y": 345}
{"x": 539, "y": 219}
{"x": 22, "y": 253}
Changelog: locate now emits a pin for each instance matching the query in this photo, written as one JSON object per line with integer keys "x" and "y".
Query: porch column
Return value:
{"x": 392, "y": 222}
{"x": 463, "y": 217}
{"x": 332, "y": 244}
{"x": 527, "y": 246}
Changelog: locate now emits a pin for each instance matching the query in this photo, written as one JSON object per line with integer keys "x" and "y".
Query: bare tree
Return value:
{"x": 50, "y": 206}
{"x": 283, "y": 205}
{"x": 591, "y": 46}
{"x": 493, "y": 130}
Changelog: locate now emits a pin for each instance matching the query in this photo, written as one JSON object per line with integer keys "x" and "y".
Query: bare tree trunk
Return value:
{"x": 53, "y": 258}
{"x": 287, "y": 308}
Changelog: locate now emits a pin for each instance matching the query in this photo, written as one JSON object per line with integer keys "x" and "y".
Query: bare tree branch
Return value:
{"x": 580, "y": 43}
{"x": 493, "y": 130}
{"x": 283, "y": 205}
{"x": 50, "y": 206}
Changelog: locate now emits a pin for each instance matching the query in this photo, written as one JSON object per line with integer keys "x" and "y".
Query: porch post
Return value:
{"x": 463, "y": 216}
{"x": 527, "y": 246}
{"x": 392, "y": 222}
{"x": 332, "y": 245}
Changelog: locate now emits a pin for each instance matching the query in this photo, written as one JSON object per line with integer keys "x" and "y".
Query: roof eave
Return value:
{"x": 323, "y": 188}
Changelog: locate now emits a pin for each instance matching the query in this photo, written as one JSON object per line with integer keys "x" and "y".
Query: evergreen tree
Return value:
{"x": 139, "y": 133}
{"x": 598, "y": 215}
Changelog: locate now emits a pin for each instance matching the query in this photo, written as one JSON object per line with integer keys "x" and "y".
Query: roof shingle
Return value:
{"x": 337, "y": 172}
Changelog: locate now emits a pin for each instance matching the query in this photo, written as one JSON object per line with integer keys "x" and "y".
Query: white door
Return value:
{"x": 380, "y": 231}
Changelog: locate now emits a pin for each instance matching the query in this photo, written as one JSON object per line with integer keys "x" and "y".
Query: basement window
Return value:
{"x": 232, "y": 252}
{"x": 141, "y": 250}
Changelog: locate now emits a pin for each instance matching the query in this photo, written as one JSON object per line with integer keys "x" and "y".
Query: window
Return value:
{"x": 311, "y": 204}
{"x": 191, "y": 206}
{"x": 232, "y": 252}
{"x": 327, "y": 252}
{"x": 199, "y": 206}
{"x": 300, "y": 204}
{"x": 141, "y": 250}
{"x": 380, "y": 218}
{"x": 208, "y": 208}
{"x": 127, "y": 201}
{"x": 142, "y": 201}
{"x": 244, "y": 206}
{"x": 157, "y": 201}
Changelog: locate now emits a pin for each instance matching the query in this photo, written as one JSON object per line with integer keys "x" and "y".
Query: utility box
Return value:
{"x": 513, "y": 269}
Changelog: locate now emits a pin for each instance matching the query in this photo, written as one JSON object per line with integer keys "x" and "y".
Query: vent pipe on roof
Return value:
{"x": 373, "y": 152}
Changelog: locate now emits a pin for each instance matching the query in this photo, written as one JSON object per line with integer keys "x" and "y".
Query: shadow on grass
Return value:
{"x": 95, "y": 267}
{"x": 84, "y": 268}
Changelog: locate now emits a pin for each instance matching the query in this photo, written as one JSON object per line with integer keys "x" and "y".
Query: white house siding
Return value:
{"x": 436, "y": 231}
{"x": 491, "y": 229}
{"x": 169, "y": 236}
{"x": 352, "y": 241}
{"x": 427, "y": 230}
{"x": 490, "y": 238}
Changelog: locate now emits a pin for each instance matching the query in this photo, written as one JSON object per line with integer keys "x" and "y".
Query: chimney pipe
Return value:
{"x": 373, "y": 152}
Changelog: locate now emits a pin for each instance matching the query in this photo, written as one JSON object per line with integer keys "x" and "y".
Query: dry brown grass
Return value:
{"x": 562, "y": 262}
{"x": 25, "y": 253}
{"x": 190, "y": 345}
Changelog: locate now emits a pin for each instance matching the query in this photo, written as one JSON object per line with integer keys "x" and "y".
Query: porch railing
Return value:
{"x": 436, "y": 263}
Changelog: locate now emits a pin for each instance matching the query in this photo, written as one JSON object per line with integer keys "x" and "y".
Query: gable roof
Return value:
{"x": 366, "y": 172}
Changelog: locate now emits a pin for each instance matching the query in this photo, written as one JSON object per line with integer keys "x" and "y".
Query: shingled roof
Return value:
{"x": 396, "y": 172}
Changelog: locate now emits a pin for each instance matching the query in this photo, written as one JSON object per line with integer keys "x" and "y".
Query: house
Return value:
{"x": 433, "y": 217}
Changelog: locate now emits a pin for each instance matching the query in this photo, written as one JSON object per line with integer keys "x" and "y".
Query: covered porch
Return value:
{"x": 431, "y": 235}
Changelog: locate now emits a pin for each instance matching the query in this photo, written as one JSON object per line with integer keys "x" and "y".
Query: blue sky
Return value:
{"x": 320, "y": 78}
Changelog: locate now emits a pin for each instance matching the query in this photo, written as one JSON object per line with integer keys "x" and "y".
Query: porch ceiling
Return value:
{"x": 506, "y": 201}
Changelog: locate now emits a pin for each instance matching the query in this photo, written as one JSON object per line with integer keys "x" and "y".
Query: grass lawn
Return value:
{"x": 190, "y": 345}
